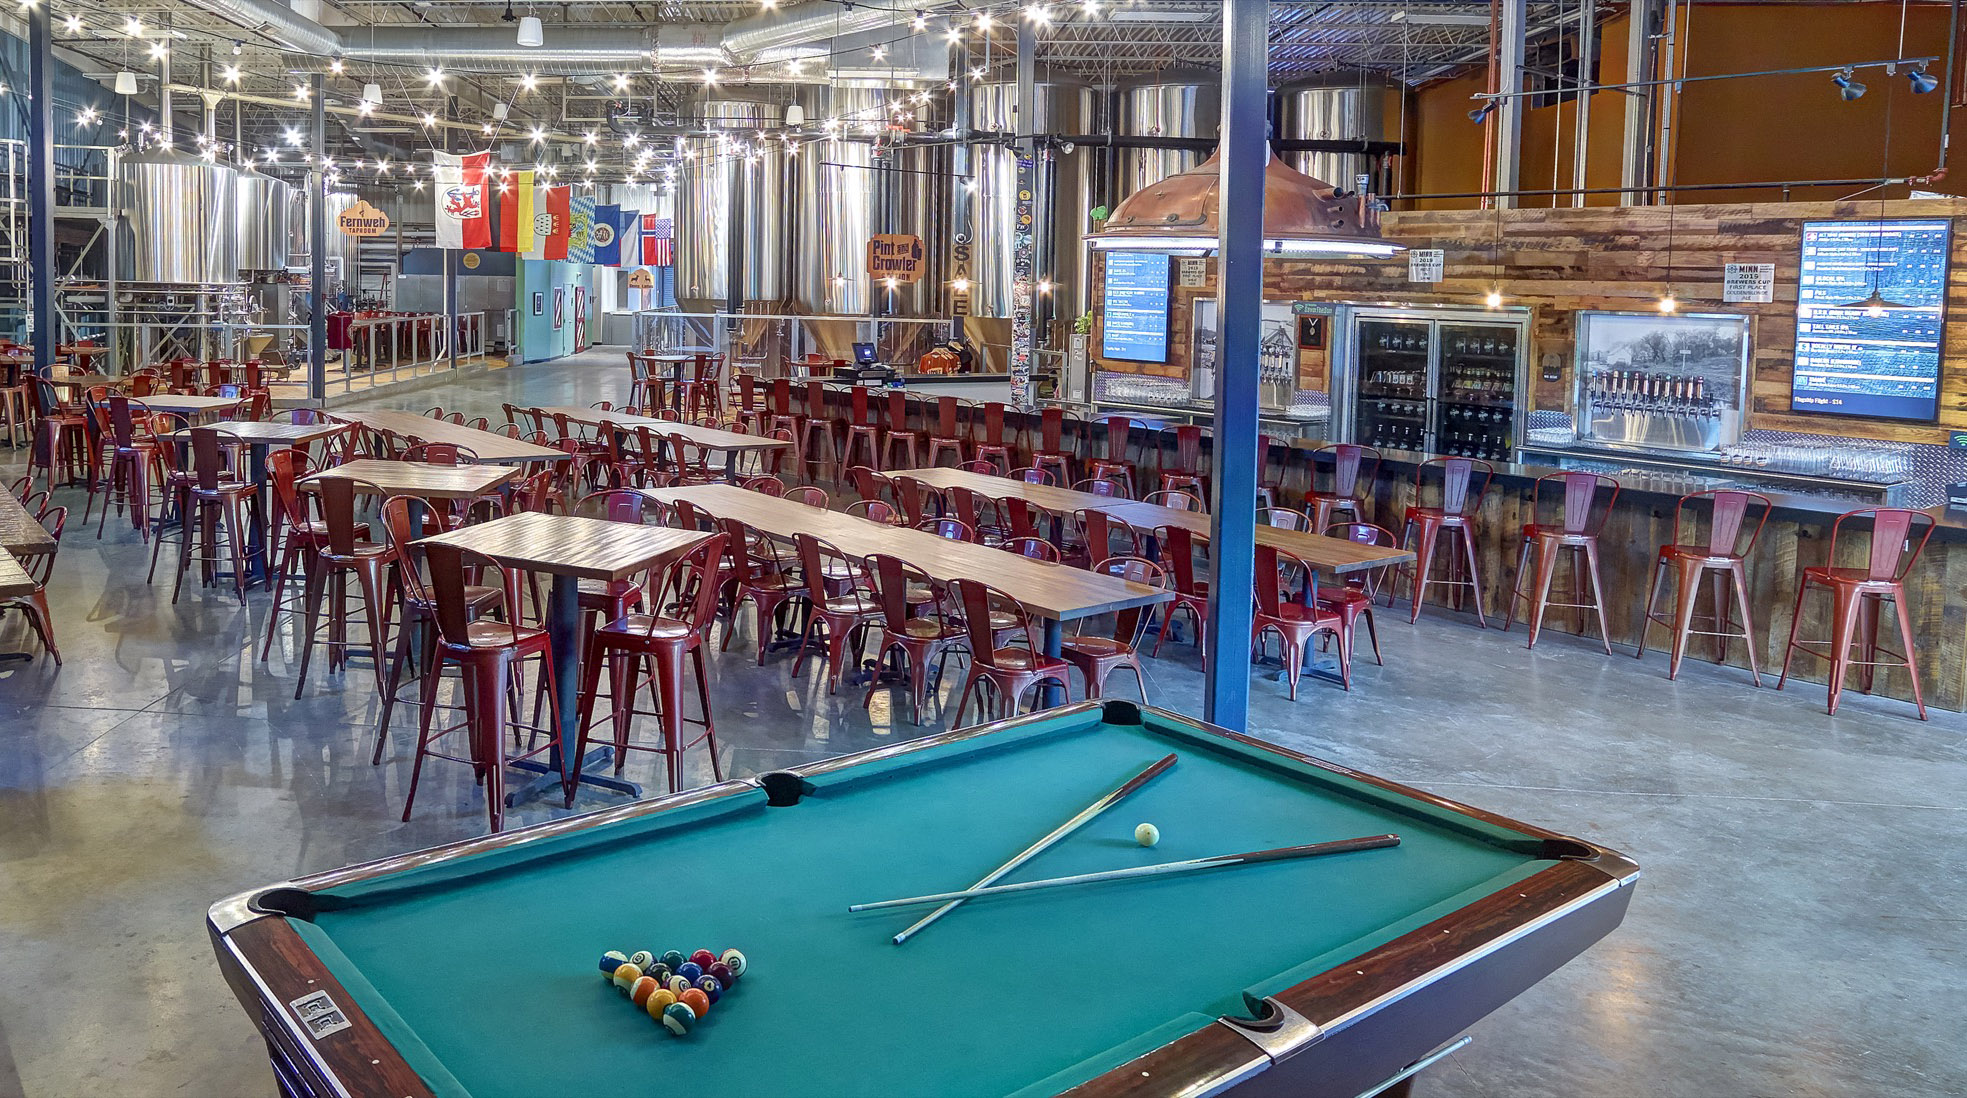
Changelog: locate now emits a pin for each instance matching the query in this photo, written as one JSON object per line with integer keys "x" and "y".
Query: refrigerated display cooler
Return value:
{"x": 1436, "y": 382}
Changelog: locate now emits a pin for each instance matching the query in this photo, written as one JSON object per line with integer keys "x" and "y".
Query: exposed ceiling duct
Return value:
{"x": 570, "y": 49}
{"x": 278, "y": 22}
{"x": 747, "y": 38}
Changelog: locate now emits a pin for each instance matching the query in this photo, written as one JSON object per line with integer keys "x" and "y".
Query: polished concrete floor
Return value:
{"x": 1798, "y": 930}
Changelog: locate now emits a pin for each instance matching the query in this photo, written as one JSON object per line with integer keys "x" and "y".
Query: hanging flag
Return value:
{"x": 631, "y": 238}
{"x": 560, "y": 222}
{"x": 542, "y": 224}
{"x": 580, "y": 229}
{"x": 605, "y": 232}
{"x": 516, "y": 212}
{"x": 658, "y": 249}
{"x": 463, "y": 219}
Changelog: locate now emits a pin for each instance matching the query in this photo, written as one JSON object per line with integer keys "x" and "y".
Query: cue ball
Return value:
{"x": 1147, "y": 834}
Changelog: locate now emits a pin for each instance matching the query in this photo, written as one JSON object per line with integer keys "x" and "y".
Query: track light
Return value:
{"x": 1922, "y": 81}
{"x": 1481, "y": 114}
{"x": 1848, "y": 86}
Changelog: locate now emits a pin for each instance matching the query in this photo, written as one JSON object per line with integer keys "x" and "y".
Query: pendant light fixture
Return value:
{"x": 126, "y": 83}
{"x": 530, "y": 32}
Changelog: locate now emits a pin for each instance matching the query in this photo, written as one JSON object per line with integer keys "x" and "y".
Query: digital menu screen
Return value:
{"x": 1870, "y": 307}
{"x": 1135, "y": 323}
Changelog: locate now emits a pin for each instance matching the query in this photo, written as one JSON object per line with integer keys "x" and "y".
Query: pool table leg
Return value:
{"x": 563, "y": 619}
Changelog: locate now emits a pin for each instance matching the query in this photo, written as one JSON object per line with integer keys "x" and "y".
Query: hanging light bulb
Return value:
{"x": 126, "y": 83}
{"x": 1494, "y": 300}
{"x": 530, "y": 32}
{"x": 1668, "y": 304}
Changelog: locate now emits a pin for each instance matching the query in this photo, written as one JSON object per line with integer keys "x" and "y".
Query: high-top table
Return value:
{"x": 731, "y": 443}
{"x": 491, "y": 447}
{"x": 1052, "y": 592}
{"x": 571, "y": 548}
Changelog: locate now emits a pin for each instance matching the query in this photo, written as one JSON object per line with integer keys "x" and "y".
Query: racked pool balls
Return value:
{"x": 722, "y": 971}
{"x": 672, "y": 959}
{"x": 709, "y": 986}
{"x": 734, "y": 961}
{"x": 678, "y": 1018}
{"x": 702, "y": 958}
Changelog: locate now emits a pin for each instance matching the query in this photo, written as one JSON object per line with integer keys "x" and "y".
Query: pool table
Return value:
{"x": 472, "y": 968}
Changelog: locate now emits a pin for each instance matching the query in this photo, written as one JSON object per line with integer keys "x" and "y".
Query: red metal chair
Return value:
{"x": 974, "y": 508}
{"x": 1353, "y": 598}
{"x": 861, "y": 429}
{"x": 1050, "y": 453}
{"x": 1724, "y": 553}
{"x": 641, "y": 649}
{"x": 842, "y": 610}
{"x": 991, "y": 443}
{"x": 1100, "y": 536}
{"x": 1008, "y": 671}
{"x": 1898, "y": 537}
{"x": 947, "y": 435}
{"x": 40, "y": 567}
{"x": 1101, "y": 486}
{"x": 488, "y": 653}
{"x": 809, "y": 495}
{"x": 817, "y": 427}
{"x": 1178, "y": 546}
{"x": 1176, "y": 499}
{"x": 1183, "y": 473}
{"x": 132, "y": 455}
{"x": 1454, "y": 515}
{"x": 1116, "y": 466}
{"x": 217, "y": 501}
{"x": 758, "y": 577}
{"x": 291, "y": 539}
{"x": 916, "y": 499}
{"x": 1033, "y": 547}
{"x": 1583, "y": 518}
{"x": 954, "y": 529}
{"x": 1035, "y": 475}
{"x": 1098, "y": 657}
{"x": 875, "y": 510}
{"x": 748, "y": 415}
{"x": 1283, "y": 518}
{"x": 1293, "y": 622}
{"x": 867, "y": 483}
{"x": 1353, "y": 471}
{"x": 914, "y": 630}
{"x": 441, "y": 453}
{"x": 781, "y": 416}
{"x": 345, "y": 550}
{"x": 901, "y": 439}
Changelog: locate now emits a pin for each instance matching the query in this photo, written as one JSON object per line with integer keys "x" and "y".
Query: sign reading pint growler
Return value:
{"x": 362, "y": 220}
{"x": 895, "y": 255}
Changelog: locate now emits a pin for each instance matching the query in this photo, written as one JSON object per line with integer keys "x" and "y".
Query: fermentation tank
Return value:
{"x": 1351, "y": 109}
{"x": 344, "y": 252}
{"x": 266, "y": 211}
{"x": 833, "y": 212}
{"x": 720, "y": 183}
{"x": 1061, "y": 190}
{"x": 915, "y": 195}
{"x": 1165, "y": 110}
{"x": 181, "y": 219}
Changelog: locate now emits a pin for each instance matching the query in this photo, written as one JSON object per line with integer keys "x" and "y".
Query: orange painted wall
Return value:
{"x": 1742, "y": 130}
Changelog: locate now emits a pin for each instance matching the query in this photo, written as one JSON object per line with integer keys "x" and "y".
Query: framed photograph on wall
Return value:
{"x": 1311, "y": 332}
{"x": 539, "y": 302}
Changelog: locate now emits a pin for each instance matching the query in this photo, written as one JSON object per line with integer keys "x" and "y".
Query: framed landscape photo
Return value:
{"x": 539, "y": 302}
{"x": 1712, "y": 346}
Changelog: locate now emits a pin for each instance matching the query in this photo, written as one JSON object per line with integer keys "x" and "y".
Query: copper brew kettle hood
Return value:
{"x": 1302, "y": 216}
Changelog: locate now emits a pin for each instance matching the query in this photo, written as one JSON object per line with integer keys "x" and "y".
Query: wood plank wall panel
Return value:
{"x": 1558, "y": 262}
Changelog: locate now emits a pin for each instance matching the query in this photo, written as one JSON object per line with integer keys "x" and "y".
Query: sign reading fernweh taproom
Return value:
{"x": 362, "y": 220}
{"x": 895, "y": 255}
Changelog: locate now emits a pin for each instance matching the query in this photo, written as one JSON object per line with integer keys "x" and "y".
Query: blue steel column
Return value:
{"x": 41, "y": 185}
{"x": 317, "y": 236}
{"x": 1239, "y": 303}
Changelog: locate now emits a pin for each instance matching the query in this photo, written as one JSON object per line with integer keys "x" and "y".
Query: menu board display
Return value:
{"x": 1870, "y": 308}
{"x": 1134, "y": 325}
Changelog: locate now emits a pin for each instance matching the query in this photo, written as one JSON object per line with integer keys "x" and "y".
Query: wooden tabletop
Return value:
{"x": 14, "y": 580}
{"x": 190, "y": 405}
{"x": 254, "y": 432}
{"x": 489, "y": 447}
{"x": 19, "y": 532}
{"x": 1048, "y": 590}
{"x": 710, "y": 438}
{"x": 570, "y": 545}
{"x": 87, "y": 381}
{"x": 416, "y": 478}
{"x": 1333, "y": 555}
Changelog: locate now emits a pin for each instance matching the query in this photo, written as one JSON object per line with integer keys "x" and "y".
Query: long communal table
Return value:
{"x": 1052, "y": 592}
{"x": 491, "y": 447}
{"x": 731, "y": 444}
{"x": 20, "y": 533}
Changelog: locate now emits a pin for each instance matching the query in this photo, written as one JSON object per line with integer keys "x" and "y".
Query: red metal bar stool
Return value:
{"x": 1050, "y": 453}
{"x": 947, "y": 434}
{"x": 132, "y": 456}
{"x": 1184, "y": 473}
{"x": 780, "y": 416}
{"x": 345, "y": 550}
{"x": 1008, "y": 671}
{"x": 1453, "y": 515}
{"x": 1353, "y": 471}
{"x": 697, "y": 394}
{"x": 61, "y": 440}
{"x": 748, "y": 416}
{"x": 901, "y": 439}
{"x": 1353, "y": 599}
{"x": 914, "y": 629}
{"x": 1583, "y": 519}
{"x": 648, "y": 649}
{"x": 1097, "y": 657}
{"x": 1724, "y": 553}
{"x": 1293, "y": 622}
{"x": 991, "y": 444}
{"x": 861, "y": 429}
{"x": 818, "y": 427}
{"x": 1898, "y": 537}
{"x": 488, "y": 653}
{"x": 219, "y": 502}
{"x": 1116, "y": 466}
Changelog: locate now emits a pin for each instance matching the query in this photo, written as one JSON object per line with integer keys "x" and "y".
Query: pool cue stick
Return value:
{"x": 1086, "y": 816}
{"x": 1164, "y": 869}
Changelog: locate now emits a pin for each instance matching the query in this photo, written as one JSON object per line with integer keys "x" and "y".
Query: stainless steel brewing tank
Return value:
{"x": 180, "y": 219}
{"x": 266, "y": 208}
{"x": 1165, "y": 110}
{"x": 833, "y": 205}
{"x": 732, "y": 173}
{"x": 915, "y": 196}
{"x": 1351, "y": 109}
{"x": 344, "y": 252}
{"x": 1060, "y": 195}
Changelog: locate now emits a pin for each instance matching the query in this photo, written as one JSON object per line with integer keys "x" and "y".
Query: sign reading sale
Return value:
{"x": 895, "y": 255}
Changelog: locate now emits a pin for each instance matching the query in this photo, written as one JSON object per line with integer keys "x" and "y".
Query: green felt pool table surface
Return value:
{"x": 483, "y": 969}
